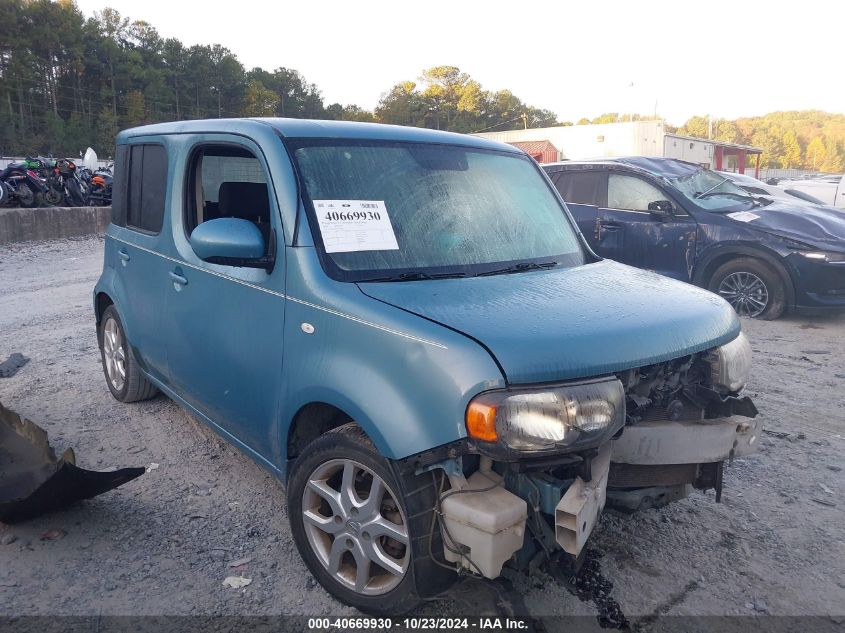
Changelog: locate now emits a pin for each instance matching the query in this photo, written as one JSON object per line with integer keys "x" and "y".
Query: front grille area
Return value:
{"x": 638, "y": 476}
{"x": 660, "y": 391}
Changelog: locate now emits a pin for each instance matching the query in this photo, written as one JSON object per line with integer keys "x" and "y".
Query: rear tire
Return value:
{"x": 334, "y": 536}
{"x": 27, "y": 197}
{"x": 752, "y": 287}
{"x": 123, "y": 376}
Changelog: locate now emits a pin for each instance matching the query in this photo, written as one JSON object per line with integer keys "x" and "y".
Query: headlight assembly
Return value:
{"x": 560, "y": 418}
{"x": 823, "y": 256}
{"x": 730, "y": 365}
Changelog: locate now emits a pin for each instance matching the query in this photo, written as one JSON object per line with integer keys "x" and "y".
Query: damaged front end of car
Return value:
{"x": 539, "y": 464}
{"x": 685, "y": 418}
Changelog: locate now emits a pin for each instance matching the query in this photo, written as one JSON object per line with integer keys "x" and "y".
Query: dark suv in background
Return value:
{"x": 681, "y": 220}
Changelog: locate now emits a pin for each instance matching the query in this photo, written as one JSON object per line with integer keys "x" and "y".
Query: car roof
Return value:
{"x": 308, "y": 128}
{"x": 657, "y": 166}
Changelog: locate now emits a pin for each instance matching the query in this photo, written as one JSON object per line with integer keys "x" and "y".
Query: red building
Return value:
{"x": 541, "y": 151}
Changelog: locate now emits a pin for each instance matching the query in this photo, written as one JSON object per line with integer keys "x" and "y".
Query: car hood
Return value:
{"x": 808, "y": 223}
{"x": 572, "y": 322}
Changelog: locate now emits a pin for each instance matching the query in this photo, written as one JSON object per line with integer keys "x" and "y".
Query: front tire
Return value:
{"x": 123, "y": 376}
{"x": 362, "y": 527}
{"x": 54, "y": 197}
{"x": 752, "y": 287}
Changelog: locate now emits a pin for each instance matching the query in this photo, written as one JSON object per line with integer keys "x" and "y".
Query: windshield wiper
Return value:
{"x": 415, "y": 275}
{"x": 701, "y": 194}
{"x": 518, "y": 268}
{"x": 749, "y": 197}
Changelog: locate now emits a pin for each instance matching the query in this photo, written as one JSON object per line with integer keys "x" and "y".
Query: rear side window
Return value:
{"x": 583, "y": 187}
{"x": 146, "y": 187}
{"x": 121, "y": 176}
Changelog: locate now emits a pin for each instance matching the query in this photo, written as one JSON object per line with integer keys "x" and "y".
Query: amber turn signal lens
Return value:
{"x": 481, "y": 422}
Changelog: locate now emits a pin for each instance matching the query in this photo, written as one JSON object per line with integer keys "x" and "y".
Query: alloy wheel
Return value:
{"x": 114, "y": 354}
{"x": 356, "y": 527}
{"x": 746, "y": 292}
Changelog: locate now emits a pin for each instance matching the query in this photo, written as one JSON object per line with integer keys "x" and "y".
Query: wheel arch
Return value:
{"x": 316, "y": 416}
{"x": 715, "y": 258}
{"x": 310, "y": 422}
{"x": 101, "y": 301}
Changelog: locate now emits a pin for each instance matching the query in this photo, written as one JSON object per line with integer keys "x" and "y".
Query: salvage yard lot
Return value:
{"x": 776, "y": 543}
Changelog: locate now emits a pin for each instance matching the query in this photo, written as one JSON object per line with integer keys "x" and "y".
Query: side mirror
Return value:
{"x": 661, "y": 209}
{"x": 230, "y": 241}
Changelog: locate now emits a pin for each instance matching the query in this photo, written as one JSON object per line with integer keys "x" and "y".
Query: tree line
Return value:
{"x": 807, "y": 139}
{"x": 68, "y": 81}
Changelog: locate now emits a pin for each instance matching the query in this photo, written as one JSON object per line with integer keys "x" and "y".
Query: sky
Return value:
{"x": 681, "y": 58}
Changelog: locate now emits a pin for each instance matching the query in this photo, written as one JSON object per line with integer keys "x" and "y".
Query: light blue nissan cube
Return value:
{"x": 408, "y": 329}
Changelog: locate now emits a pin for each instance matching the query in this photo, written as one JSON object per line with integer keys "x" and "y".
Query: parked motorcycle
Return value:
{"x": 100, "y": 187}
{"x": 98, "y": 180}
{"x": 40, "y": 165}
{"x": 74, "y": 189}
{"x": 55, "y": 195}
{"x": 23, "y": 185}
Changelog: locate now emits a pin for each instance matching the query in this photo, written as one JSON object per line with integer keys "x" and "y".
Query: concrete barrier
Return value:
{"x": 51, "y": 223}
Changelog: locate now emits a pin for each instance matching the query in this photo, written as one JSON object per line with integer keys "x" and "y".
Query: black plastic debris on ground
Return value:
{"x": 33, "y": 481}
{"x": 589, "y": 584}
{"x": 11, "y": 365}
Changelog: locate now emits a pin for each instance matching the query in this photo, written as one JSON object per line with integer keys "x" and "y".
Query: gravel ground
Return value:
{"x": 163, "y": 543}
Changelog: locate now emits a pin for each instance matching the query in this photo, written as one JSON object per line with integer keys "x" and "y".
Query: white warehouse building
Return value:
{"x": 634, "y": 138}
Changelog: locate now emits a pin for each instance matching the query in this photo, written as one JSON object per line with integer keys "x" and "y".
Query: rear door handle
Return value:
{"x": 123, "y": 255}
{"x": 179, "y": 279}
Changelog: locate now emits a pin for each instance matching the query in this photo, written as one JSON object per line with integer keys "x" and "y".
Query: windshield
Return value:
{"x": 712, "y": 191}
{"x": 393, "y": 211}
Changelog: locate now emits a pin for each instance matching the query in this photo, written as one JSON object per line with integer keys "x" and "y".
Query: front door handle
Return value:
{"x": 179, "y": 279}
{"x": 606, "y": 226}
{"x": 609, "y": 225}
{"x": 123, "y": 255}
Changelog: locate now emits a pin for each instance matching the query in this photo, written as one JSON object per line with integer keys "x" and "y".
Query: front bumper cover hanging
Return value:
{"x": 33, "y": 481}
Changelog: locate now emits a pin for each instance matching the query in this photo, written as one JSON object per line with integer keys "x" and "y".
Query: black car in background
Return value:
{"x": 679, "y": 219}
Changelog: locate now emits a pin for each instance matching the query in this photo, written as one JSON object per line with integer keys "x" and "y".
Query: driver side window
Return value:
{"x": 631, "y": 193}
{"x": 227, "y": 182}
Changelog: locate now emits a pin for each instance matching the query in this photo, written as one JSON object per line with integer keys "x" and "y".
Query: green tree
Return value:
{"x": 697, "y": 126}
{"x": 259, "y": 100}
{"x": 727, "y": 131}
{"x": 354, "y": 113}
{"x": 791, "y": 156}
{"x": 816, "y": 153}
{"x": 401, "y": 105}
{"x": 834, "y": 161}
{"x": 136, "y": 109}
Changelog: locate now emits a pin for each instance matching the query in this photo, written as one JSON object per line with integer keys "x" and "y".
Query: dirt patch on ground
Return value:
{"x": 163, "y": 543}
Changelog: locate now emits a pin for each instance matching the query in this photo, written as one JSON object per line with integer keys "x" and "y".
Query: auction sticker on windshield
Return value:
{"x": 355, "y": 225}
